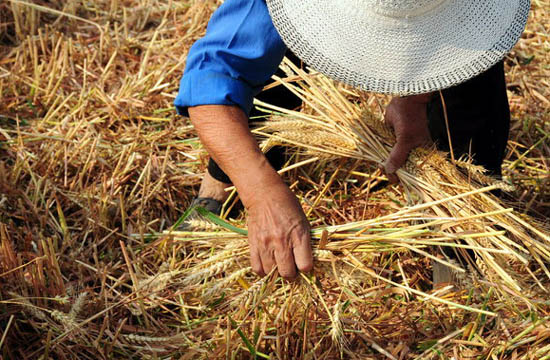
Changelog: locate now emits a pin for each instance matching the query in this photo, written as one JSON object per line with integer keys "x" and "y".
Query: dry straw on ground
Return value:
{"x": 94, "y": 166}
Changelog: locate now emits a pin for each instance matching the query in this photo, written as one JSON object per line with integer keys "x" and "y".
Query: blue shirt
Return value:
{"x": 232, "y": 62}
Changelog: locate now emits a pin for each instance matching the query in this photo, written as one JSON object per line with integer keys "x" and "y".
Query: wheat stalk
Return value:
{"x": 428, "y": 174}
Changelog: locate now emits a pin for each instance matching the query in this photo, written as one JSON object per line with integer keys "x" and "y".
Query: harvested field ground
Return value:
{"x": 96, "y": 169}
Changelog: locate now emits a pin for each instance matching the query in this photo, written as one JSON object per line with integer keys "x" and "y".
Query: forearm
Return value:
{"x": 224, "y": 132}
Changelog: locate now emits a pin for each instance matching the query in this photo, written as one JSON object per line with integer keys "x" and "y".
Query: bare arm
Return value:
{"x": 278, "y": 231}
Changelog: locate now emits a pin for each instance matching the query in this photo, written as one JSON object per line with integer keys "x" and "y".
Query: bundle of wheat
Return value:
{"x": 338, "y": 125}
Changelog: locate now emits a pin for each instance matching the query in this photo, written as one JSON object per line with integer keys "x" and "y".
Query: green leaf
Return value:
{"x": 220, "y": 222}
{"x": 183, "y": 217}
{"x": 256, "y": 334}
{"x": 425, "y": 345}
{"x": 247, "y": 342}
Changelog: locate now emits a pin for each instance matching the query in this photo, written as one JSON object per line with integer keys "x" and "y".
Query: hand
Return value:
{"x": 278, "y": 233}
{"x": 408, "y": 118}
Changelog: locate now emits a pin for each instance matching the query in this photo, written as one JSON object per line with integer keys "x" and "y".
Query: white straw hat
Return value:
{"x": 400, "y": 47}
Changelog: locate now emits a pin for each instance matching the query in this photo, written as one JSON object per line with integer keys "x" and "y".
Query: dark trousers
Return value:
{"x": 479, "y": 119}
{"x": 477, "y": 110}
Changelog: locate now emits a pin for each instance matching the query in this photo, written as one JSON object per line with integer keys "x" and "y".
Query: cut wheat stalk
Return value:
{"x": 396, "y": 238}
{"x": 428, "y": 176}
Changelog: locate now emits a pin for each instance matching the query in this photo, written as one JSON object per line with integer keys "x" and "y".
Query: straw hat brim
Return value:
{"x": 443, "y": 47}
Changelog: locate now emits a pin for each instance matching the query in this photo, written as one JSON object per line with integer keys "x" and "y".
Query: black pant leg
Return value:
{"x": 279, "y": 96}
{"x": 217, "y": 173}
{"x": 479, "y": 119}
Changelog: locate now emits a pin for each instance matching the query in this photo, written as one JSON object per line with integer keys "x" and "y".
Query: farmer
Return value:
{"x": 408, "y": 48}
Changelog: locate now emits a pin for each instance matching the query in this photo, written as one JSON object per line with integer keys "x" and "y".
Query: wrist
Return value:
{"x": 416, "y": 99}
{"x": 259, "y": 180}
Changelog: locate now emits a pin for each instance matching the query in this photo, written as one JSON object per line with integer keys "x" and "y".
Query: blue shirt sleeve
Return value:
{"x": 232, "y": 62}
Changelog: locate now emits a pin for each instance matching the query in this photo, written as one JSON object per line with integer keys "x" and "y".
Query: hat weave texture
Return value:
{"x": 400, "y": 47}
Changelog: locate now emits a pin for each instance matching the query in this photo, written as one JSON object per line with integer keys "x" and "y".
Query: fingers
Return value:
{"x": 303, "y": 254}
{"x": 290, "y": 253}
{"x": 398, "y": 156}
{"x": 267, "y": 257}
{"x": 279, "y": 235}
{"x": 255, "y": 261}
{"x": 285, "y": 262}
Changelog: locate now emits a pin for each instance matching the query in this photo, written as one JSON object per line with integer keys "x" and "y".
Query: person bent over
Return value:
{"x": 410, "y": 49}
